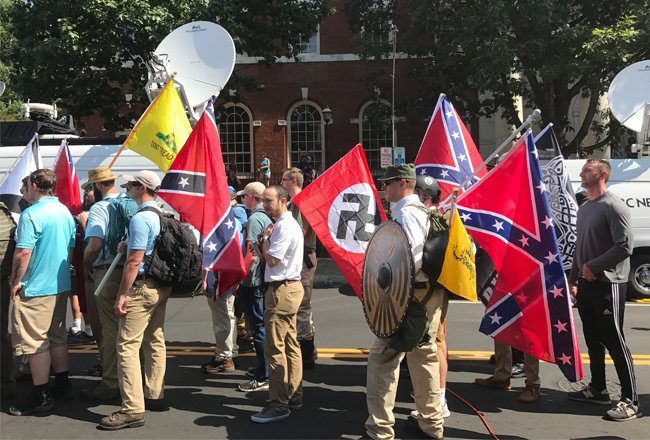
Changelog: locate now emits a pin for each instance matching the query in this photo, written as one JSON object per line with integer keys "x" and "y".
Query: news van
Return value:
{"x": 630, "y": 181}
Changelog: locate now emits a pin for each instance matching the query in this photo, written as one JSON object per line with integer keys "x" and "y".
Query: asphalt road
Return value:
{"x": 209, "y": 406}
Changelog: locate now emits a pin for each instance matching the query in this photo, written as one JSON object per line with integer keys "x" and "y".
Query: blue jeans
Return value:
{"x": 253, "y": 300}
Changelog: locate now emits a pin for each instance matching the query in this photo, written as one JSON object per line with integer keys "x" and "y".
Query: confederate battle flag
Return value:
{"x": 195, "y": 186}
{"x": 448, "y": 153}
{"x": 530, "y": 307}
{"x": 343, "y": 208}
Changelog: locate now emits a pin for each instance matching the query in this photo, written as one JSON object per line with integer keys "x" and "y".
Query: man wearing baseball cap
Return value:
{"x": 398, "y": 183}
{"x": 140, "y": 306}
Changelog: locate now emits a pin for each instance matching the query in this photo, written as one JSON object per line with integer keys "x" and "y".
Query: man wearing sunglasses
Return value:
{"x": 398, "y": 183}
{"x": 140, "y": 307}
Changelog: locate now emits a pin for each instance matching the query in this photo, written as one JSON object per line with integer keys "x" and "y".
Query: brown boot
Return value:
{"x": 120, "y": 420}
{"x": 494, "y": 383}
{"x": 529, "y": 395}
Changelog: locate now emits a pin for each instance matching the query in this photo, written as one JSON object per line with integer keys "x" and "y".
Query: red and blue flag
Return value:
{"x": 67, "y": 184}
{"x": 195, "y": 186}
{"x": 508, "y": 214}
{"x": 448, "y": 153}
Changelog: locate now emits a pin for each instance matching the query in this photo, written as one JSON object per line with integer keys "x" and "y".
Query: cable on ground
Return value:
{"x": 477, "y": 412}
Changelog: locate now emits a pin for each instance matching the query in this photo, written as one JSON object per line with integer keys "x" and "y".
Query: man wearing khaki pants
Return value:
{"x": 97, "y": 259}
{"x": 282, "y": 248}
{"x": 140, "y": 306}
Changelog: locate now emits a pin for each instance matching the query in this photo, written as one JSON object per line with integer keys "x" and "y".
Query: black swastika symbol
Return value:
{"x": 361, "y": 218}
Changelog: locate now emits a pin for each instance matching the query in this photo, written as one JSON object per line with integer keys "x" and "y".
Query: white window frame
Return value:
{"x": 226, "y": 155}
{"x": 322, "y": 138}
{"x": 361, "y": 123}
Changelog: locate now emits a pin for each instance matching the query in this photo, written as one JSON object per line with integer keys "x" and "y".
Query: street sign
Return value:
{"x": 400, "y": 155}
{"x": 386, "y": 156}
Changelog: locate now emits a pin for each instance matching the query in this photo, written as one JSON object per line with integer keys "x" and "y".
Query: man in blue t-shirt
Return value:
{"x": 140, "y": 305}
{"x": 40, "y": 286}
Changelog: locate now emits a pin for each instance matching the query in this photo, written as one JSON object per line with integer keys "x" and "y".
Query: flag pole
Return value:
{"x": 171, "y": 79}
{"x": 17, "y": 159}
{"x": 533, "y": 116}
{"x": 454, "y": 198}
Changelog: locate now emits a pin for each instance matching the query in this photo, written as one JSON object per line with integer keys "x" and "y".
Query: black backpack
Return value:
{"x": 176, "y": 256}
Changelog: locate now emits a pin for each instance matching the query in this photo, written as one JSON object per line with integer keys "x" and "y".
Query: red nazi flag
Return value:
{"x": 343, "y": 208}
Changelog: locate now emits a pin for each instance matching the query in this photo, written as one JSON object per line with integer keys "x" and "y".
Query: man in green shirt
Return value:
{"x": 292, "y": 181}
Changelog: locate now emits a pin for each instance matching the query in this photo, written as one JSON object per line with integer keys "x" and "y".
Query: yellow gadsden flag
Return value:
{"x": 459, "y": 271}
{"x": 162, "y": 130}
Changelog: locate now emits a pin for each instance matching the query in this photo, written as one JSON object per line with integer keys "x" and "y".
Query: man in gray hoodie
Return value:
{"x": 598, "y": 278}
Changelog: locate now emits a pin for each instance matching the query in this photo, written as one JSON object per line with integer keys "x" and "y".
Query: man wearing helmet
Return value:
{"x": 426, "y": 188}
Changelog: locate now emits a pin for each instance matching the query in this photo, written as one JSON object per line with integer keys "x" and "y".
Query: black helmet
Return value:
{"x": 427, "y": 186}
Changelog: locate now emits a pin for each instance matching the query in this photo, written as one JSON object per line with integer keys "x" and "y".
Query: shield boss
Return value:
{"x": 387, "y": 279}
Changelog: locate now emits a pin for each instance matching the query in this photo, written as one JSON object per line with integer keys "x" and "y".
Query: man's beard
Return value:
{"x": 89, "y": 200}
{"x": 98, "y": 194}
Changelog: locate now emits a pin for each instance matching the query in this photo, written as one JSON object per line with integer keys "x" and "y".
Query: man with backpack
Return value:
{"x": 140, "y": 305}
{"x": 398, "y": 183}
{"x": 101, "y": 250}
{"x": 253, "y": 286}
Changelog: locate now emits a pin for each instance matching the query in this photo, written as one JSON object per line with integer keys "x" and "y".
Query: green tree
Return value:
{"x": 547, "y": 51}
{"x": 9, "y": 102}
{"x": 85, "y": 55}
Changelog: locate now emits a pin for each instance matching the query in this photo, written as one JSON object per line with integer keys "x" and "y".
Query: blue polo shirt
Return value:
{"x": 143, "y": 230}
{"x": 47, "y": 228}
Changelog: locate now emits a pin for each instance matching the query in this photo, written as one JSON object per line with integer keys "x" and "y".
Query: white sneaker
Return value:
{"x": 445, "y": 410}
{"x": 624, "y": 410}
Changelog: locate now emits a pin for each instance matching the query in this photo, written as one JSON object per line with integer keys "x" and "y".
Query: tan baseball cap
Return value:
{"x": 254, "y": 188}
{"x": 145, "y": 177}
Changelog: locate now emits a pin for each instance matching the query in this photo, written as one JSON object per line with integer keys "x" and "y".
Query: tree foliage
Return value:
{"x": 87, "y": 54}
{"x": 546, "y": 51}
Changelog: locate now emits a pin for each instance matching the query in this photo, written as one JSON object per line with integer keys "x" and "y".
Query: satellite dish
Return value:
{"x": 203, "y": 55}
{"x": 629, "y": 93}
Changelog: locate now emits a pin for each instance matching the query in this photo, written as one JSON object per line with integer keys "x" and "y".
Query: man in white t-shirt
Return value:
{"x": 282, "y": 248}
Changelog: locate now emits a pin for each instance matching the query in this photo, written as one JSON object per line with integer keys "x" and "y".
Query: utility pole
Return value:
{"x": 393, "y": 31}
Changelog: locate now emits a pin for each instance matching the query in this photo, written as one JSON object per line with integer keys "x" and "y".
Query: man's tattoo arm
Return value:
{"x": 21, "y": 259}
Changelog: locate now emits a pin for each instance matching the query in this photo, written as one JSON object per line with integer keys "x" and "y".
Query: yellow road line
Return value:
{"x": 349, "y": 353}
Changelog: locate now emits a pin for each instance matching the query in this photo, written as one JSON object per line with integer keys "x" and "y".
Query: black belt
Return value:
{"x": 138, "y": 278}
{"x": 277, "y": 284}
{"x": 309, "y": 252}
{"x": 419, "y": 285}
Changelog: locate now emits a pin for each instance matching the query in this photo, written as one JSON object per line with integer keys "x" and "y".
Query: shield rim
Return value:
{"x": 411, "y": 284}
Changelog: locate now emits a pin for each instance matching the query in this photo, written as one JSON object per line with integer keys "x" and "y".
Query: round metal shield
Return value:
{"x": 387, "y": 279}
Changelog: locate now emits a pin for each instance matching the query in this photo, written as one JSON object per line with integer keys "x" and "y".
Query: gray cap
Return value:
{"x": 145, "y": 177}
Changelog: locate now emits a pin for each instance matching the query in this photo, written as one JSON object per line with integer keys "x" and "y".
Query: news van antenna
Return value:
{"x": 203, "y": 54}
{"x": 629, "y": 94}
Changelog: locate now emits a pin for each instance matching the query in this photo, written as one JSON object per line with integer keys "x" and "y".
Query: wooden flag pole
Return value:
{"x": 171, "y": 80}
{"x": 454, "y": 198}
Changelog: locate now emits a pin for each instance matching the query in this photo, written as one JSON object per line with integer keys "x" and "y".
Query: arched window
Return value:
{"x": 236, "y": 135}
{"x": 306, "y": 126}
{"x": 375, "y": 131}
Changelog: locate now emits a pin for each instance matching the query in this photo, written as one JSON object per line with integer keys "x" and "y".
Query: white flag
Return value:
{"x": 10, "y": 190}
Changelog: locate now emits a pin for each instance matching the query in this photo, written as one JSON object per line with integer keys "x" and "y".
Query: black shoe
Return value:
{"x": 589, "y": 394}
{"x": 246, "y": 347}
{"x": 37, "y": 402}
{"x": 413, "y": 427}
{"x": 62, "y": 392}
{"x": 518, "y": 371}
{"x": 156, "y": 405}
